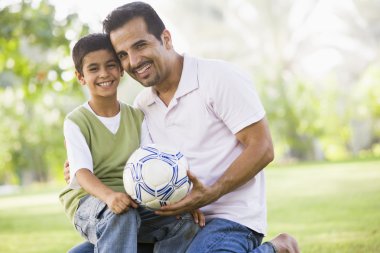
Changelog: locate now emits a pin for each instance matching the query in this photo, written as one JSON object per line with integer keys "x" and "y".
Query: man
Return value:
{"x": 209, "y": 111}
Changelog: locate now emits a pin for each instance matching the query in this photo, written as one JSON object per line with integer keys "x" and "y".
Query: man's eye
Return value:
{"x": 122, "y": 55}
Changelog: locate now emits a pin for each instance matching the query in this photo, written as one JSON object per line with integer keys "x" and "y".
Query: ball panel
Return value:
{"x": 156, "y": 172}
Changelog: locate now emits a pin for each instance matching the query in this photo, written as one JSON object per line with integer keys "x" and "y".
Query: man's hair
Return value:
{"x": 123, "y": 14}
{"x": 90, "y": 43}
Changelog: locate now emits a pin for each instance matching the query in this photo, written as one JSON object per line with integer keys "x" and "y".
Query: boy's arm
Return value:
{"x": 80, "y": 159}
{"x": 118, "y": 202}
{"x": 78, "y": 152}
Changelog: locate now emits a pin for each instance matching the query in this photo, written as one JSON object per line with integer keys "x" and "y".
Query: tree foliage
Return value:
{"x": 313, "y": 62}
{"x": 37, "y": 88}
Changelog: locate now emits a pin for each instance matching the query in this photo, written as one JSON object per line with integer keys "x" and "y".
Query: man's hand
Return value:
{"x": 119, "y": 202}
{"x": 199, "y": 217}
{"x": 66, "y": 171}
{"x": 199, "y": 196}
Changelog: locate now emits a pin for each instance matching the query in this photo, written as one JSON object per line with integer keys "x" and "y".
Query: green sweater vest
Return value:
{"x": 109, "y": 151}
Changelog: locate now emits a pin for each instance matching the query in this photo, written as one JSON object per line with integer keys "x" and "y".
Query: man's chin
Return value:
{"x": 147, "y": 83}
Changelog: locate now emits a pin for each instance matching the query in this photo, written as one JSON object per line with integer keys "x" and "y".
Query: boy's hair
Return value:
{"x": 123, "y": 14}
{"x": 90, "y": 43}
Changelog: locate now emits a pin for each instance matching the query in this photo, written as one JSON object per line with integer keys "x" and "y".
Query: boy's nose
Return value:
{"x": 103, "y": 73}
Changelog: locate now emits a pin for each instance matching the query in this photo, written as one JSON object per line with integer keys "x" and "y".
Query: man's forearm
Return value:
{"x": 257, "y": 154}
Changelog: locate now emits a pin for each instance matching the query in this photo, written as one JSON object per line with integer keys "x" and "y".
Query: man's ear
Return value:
{"x": 166, "y": 39}
{"x": 80, "y": 78}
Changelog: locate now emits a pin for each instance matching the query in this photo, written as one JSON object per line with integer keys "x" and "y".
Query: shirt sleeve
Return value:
{"x": 78, "y": 152}
{"x": 234, "y": 99}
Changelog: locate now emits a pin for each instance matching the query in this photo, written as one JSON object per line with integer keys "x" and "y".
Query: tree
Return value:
{"x": 37, "y": 89}
{"x": 307, "y": 59}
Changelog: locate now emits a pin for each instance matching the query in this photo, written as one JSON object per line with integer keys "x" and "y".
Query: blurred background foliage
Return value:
{"x": 315, "y": 64}
{"x": 36, "y": 90}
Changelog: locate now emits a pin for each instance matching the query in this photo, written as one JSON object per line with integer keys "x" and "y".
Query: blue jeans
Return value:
{"x": 110, "y": 232}
{"x": 220, "y": 235}
{"x": 87, "y": 247}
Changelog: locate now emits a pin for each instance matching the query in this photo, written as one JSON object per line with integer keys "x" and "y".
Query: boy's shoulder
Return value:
{"x": 130, "y": 108}
{"x": 76, "y": 112}
{"x": 132, "y": 111}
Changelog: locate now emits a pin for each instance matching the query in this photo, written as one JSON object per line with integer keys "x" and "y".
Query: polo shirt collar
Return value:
{"x": 189, "y": 77}
{"x": 187, "y": 83}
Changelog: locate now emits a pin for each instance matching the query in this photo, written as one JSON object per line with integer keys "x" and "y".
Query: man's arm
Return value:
{"x": 257, "y": 153}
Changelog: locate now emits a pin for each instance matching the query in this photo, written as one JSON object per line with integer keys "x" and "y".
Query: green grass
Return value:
{"x": 329, "y": 208}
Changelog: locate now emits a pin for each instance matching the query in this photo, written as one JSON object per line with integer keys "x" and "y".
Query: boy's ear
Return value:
{"x": 80, "y": 78}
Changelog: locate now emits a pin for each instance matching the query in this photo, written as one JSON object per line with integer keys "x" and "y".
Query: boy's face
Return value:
{"x": 142, "y": 55}
{"x": 101, "y": 73}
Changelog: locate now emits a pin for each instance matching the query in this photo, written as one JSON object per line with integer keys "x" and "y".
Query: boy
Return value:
{"x": 100, "y": 136}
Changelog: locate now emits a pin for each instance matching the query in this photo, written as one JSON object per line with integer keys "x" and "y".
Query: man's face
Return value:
{"x": 141, "y": 54}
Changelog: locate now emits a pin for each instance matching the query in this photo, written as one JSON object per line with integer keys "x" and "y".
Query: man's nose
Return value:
{"x": 134, "y": 60}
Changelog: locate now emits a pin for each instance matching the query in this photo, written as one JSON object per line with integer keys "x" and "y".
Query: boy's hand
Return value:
{"x": 199, "y": 217}
{"x": 119, "y": 202}
{"x": 66, "y": 171}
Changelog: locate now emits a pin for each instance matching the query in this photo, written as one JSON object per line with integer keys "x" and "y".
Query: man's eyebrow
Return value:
{"x": 133, "y": 45}
{"x": 138, "y": 43}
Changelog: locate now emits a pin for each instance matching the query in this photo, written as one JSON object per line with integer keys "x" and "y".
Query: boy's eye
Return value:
{"x": 92, "y": 69}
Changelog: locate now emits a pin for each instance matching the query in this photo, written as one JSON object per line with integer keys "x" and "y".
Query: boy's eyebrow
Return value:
{"x": 92, "y": 65}
{"x": 96, "y": 64}
{"x": 111, "y": 60}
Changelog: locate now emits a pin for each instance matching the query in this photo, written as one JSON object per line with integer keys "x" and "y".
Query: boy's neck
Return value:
{"x": 105, "y": 107}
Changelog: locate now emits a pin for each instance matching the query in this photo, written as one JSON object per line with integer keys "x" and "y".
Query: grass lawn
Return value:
{"x": 329, "y": 208}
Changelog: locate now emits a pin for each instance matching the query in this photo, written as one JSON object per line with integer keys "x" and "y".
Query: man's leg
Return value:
{"x": 169, "y": 234}
{"x": 220, "y": 235}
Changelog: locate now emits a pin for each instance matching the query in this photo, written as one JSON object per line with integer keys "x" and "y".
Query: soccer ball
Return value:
{"x": 156, "y": 176}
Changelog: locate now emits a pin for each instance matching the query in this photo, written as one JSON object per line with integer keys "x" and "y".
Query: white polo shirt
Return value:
{"x": 213, "y": 102}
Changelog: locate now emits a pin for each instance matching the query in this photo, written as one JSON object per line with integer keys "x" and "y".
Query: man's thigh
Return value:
{"x": 169, "y": 233}
{"x": 220, "y": 235}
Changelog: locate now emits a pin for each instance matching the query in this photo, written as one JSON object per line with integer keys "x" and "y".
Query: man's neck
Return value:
{"x": 167, "y": 90}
